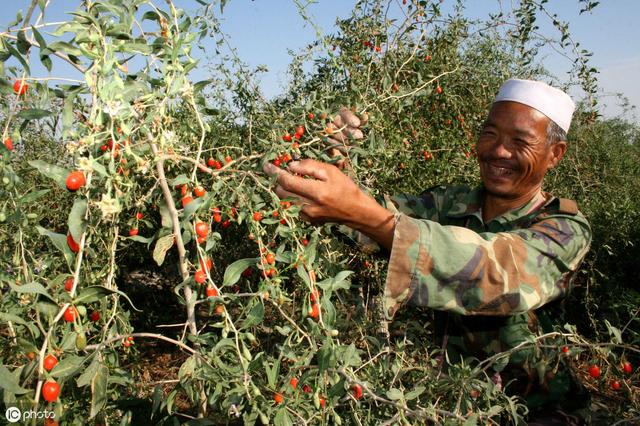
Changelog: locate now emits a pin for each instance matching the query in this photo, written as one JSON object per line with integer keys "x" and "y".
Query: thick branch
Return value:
{"x": 177, "y": 234}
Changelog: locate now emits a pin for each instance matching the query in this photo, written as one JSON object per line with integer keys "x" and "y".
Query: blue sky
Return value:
{"x": 264, "y": 30}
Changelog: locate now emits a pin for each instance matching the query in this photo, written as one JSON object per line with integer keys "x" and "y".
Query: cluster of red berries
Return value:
{"x": 297, "y": 135}
{"x": 371, "y": 46}
{"x": 217, "y": 164}
{"x": 278, "y": 398}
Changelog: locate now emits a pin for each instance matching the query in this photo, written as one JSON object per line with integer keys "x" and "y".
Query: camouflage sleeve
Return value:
{"x": 456, "y": 269}
{"x": 423, "y": 206}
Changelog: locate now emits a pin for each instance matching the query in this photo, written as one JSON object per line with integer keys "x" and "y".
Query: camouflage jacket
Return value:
{"x": 491, "y": 277}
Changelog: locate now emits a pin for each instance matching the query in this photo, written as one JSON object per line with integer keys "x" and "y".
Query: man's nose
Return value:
{"x": 502, "y": 147}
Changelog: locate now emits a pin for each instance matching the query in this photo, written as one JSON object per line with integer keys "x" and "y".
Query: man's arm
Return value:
{"x": 456, "y": 269}
{"x": 423, "y": 206}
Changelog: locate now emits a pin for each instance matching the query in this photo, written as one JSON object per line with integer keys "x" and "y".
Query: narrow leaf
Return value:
{"x": 32, "y": 287}
{"x": 162, "y": 246}
{"x": 99, "y": 390}
{"x": 58, "y": 174}
{"x": 34, "y": 113}
{"x": 76, "y": 222}
{"x": 233, "y": 271}
{"x": 58, "y": 240}
{"x": 32, "y": 196}
{"x": 96, "y": 292}
{"x": 255, "y": 317}
{"x": 69, "y": 365}
{"x": 6, "y": 317}
{"x": 85, "y": 378}
{"x": 9, "y": 382}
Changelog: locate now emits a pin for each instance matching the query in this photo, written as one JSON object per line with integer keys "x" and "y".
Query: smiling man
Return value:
{"x": 496, "y": 259}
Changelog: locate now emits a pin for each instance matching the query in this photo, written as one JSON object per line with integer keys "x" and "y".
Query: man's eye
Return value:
{"x": 487, "y": 133}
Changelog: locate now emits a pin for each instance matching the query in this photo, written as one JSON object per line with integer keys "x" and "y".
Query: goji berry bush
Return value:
{"x": 149, "y": 273}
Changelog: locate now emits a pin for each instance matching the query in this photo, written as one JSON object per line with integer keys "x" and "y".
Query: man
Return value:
{"x": 497, "y": 258}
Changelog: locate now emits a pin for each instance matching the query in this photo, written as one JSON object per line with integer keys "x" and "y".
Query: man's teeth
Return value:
{"x": 499, "y": 171}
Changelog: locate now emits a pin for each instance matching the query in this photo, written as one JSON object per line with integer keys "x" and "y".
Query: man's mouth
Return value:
{"x": 498, "y": 171}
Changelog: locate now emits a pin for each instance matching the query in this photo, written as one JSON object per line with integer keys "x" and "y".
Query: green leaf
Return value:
{"x": 472, "y": 420}
{"x": 34, "y": 114}
{"x": 68, "y": 117}
{"x": 141, "y": 239}
{"x": 47, "y": 308}
{"x": 272, "y": 372}
{"x": 22, "y": 43}
{"x": 328, "y": 312}
{"x": 6, "y": 317}
{"x": 191, "y": 208}
{"x": 76, "y": 222}
{"x": 165, "y": 217}
{"x": 233, "y": 271}
{"x": 162, "y": 246}
{"x": 69, "y": 365}
{"x": 201, "y": 85}
{"x": 616, "y": 335}
{"x": 157, "y": 399}
{"x": 60, "y": 241}
{"x": 85, "y": 378}
{"x": 97, "y": 292}
{"x": 32, "y": 196}
{"x": 395, "y": 394}
{"x": 69, "y": 341}
{"x": 338, "y": 282}
{"x": 179, "y": 180}
{"x": 255, "y": 316}
{"x": 187, "y": 368}
{"x": 326, "y": 356}
{"x": 65, "y": 47}
{"x": 304, "y": 275}
{"x": 44, "y": 52}
{"x": 99, "y": 168}
{"x": 414, "y": 393}
{"x": 282, "y": 418}
{"x": 136, "y": 47}
{"x": 10, "y": 383}
{"x": 351, "y": 357}
{"x": 150, "y": 15}
{"x": 19, "y": 57}
{"x": 99, "y": 390}
{"x": 58, "y": 174}
{"x": 17, "y": 20}
{"x": 32, "y": 287}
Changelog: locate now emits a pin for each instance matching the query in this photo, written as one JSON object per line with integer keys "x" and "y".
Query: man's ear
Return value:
{"x": 557, "y": 152}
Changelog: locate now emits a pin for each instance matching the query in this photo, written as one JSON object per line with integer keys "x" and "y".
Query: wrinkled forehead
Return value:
{"x": 518, "y": 116}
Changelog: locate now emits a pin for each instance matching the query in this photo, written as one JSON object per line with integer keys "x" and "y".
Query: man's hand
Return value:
{"x": 331, "y": 196}
{"x": 345, "y": 128}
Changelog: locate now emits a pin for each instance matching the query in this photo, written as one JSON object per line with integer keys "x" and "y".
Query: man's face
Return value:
{"x": 513, "y": 151}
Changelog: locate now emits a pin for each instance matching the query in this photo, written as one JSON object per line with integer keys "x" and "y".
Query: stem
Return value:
{"x": 188, "y": 293}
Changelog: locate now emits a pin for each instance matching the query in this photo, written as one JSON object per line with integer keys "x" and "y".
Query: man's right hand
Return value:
{"x": 345, "y": 129}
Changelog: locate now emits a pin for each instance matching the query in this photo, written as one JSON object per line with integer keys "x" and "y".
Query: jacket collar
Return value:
{"x": 471, "y": 205}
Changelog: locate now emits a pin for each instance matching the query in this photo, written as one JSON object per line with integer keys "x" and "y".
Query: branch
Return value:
{"x": 177, "y": 234}
{"x": 58, "y": 54}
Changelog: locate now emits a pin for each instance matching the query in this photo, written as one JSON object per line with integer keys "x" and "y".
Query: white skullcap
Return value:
{"x": 552, "y": 102}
